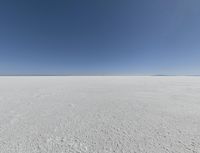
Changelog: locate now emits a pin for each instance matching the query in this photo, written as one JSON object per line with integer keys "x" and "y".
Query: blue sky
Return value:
{"x": 100, "y": 36}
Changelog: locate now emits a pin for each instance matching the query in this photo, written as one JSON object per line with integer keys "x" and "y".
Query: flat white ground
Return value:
{"x": 99, "y": 114}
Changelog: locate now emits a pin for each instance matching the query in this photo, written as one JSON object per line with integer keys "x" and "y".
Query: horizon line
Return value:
{"x": 1, "y": 75}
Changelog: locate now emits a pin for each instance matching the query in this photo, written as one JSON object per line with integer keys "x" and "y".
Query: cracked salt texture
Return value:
{"x": 99, "y": 114}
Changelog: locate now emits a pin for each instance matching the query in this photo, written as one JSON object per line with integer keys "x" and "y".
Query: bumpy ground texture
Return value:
{"x": 99, "y": 114}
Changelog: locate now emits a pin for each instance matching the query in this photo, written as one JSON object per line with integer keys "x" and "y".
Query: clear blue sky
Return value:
{"x": 100, "y": 36}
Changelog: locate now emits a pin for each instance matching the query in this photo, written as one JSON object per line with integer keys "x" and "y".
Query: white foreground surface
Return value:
{"x": 99, "y": 114}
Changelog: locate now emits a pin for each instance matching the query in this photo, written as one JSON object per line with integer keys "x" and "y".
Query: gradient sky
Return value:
{"x": 100, "y": 36}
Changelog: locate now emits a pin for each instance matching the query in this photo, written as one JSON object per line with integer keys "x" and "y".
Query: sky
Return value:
{"x": 69, "y": 37}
